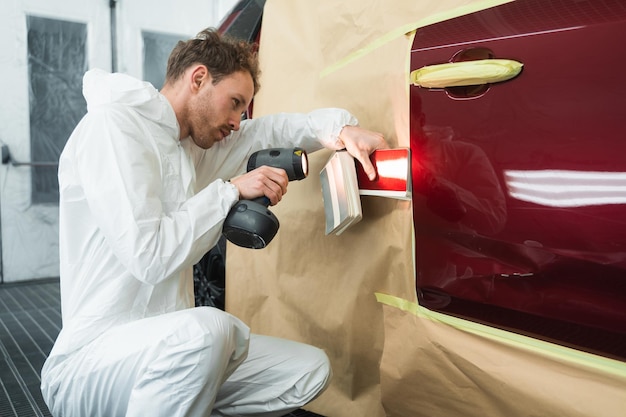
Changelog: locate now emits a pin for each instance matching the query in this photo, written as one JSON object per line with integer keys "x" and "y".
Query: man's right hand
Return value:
{"x": 263, "y": 181}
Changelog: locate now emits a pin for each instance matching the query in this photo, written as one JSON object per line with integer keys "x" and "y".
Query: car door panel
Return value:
{"x": 519, "y": 186}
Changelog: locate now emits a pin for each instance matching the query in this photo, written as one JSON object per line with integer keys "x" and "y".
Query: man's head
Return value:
{"x": 221, "y": 55}
{"x": 210, "y": 82}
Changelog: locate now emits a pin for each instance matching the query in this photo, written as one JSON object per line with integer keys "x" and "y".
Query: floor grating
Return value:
{"x": 30, "y": 319}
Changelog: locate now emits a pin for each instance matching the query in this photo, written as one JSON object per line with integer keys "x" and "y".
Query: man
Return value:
{"x": 144, "y": 193}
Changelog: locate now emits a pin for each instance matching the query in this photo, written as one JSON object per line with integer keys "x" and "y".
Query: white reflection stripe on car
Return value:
{"x": 563, "y": 188}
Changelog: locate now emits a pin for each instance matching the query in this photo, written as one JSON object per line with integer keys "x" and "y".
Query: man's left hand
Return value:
{"x": 360, "y": 143}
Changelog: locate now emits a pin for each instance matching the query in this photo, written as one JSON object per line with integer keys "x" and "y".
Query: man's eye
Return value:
{"x": 236, "y": 102}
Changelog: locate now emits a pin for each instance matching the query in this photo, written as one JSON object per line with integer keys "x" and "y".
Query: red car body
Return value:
{"x": 519, "y": 187}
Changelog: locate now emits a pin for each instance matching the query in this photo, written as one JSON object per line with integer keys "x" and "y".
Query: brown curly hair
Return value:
{"x": 221, "y": 55}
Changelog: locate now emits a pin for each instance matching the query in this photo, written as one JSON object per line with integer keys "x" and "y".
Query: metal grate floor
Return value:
{"x": 30, "y": 319}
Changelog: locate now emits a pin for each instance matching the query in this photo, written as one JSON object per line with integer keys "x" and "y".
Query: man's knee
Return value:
{"x": 219, "y": 330}
{"x": 316, "y": 375}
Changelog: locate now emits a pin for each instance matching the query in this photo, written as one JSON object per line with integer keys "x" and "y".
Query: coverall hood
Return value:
{"x": 102, "y": 88}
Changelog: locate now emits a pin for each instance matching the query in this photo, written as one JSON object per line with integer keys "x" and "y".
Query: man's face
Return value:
{"x": 216, "y": 109}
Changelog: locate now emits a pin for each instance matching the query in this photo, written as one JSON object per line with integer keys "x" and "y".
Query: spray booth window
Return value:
{"x": 57, "y": 60}
{"x": 156, "y": 50}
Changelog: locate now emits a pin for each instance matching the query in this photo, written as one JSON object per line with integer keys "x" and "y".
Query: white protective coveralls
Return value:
{"x": 138, "y": 209}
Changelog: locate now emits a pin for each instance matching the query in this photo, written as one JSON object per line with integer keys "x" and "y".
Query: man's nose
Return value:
{"x": 235, "y": 121}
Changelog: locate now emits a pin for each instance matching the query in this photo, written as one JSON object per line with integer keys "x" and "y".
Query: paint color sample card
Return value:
{"x": 393, "y": 167}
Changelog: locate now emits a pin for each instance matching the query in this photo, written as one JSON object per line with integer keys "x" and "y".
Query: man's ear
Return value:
{"x": 199, "y": 75}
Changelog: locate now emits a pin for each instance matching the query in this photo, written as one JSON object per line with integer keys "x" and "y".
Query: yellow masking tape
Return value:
{"x": 393, "y": 34}
{"x": 407, "y": 64}
{"x": 453, "y": 74}
{"x": 605, "y": 365}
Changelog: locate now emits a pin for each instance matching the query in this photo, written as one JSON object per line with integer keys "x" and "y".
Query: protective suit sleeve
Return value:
{"x": 153, "y": 231}
{"x": 311, "y": 131}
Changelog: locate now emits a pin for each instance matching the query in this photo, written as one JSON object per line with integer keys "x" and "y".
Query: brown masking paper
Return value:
{"x": 321, "y": 290}
{"x": 439, "y": 370}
